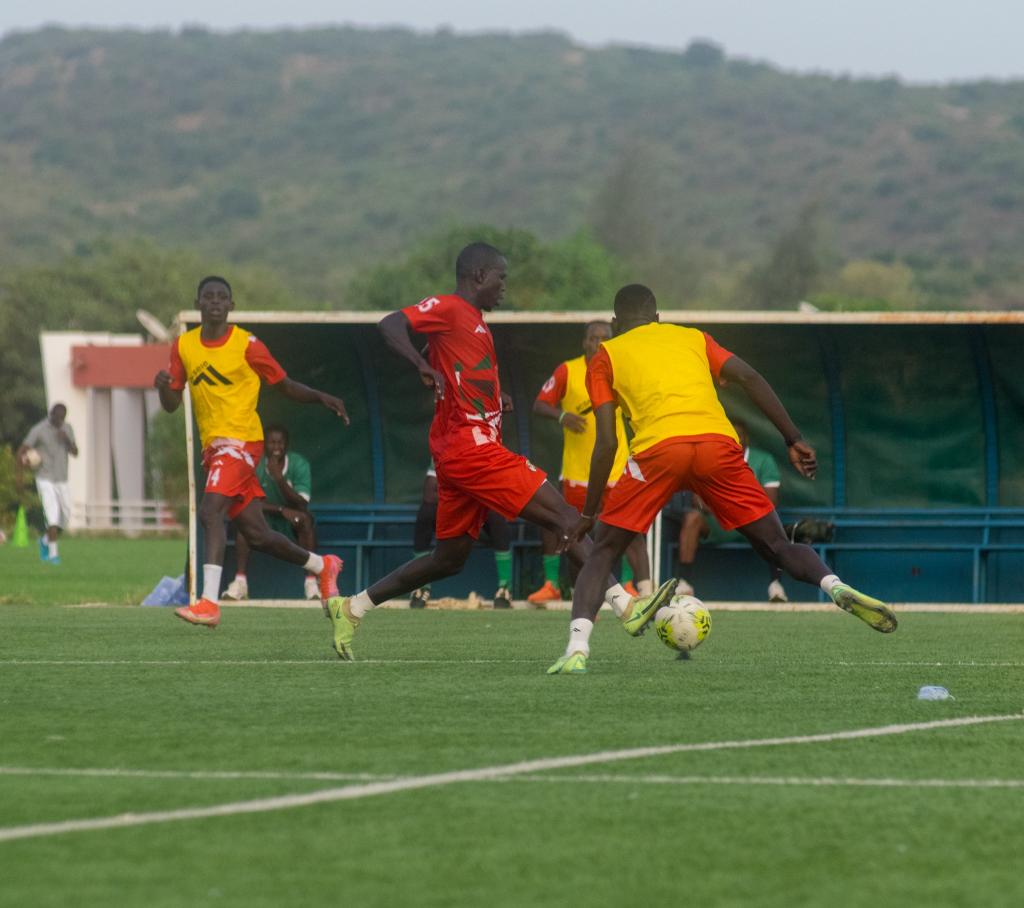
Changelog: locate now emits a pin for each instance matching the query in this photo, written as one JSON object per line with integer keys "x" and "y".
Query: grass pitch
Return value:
{"x": 108, "y": 711}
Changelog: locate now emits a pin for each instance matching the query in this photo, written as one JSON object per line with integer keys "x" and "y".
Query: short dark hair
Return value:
{"x": 475, "y": 256}
{"x": 211, "y": 279}
{"x": 280, "y": 428}
{"x": 635, "y": 301}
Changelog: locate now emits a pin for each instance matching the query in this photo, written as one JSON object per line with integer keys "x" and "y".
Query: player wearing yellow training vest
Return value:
{"x": 223, "y": 366}
{"x": 564, "y": 398}
{"x": 663, "y": 378}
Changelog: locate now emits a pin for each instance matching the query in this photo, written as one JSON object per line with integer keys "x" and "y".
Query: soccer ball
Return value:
{"x": 683, "y": 624}
{"x": 32, "y": 458}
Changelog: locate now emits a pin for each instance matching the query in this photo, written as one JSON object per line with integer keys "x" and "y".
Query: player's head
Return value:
{"x": 742, "y": 431}
{"x": 58, "y": 413}
{"x": 213, "y": 298}
{"x": 594, "y": 334}
{"x": 480, "y": 273}
{"x": 634, "y": 305}
{"x": 275, "y": 439}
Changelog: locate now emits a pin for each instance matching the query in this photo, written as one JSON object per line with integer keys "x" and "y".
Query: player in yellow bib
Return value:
{"x": 564, "y": 398}
{"x": 224, "y": 366}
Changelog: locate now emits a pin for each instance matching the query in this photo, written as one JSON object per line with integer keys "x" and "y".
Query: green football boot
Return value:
{"x": 874, "y": 613}
{"x": 573, "y": 664}
{"x": 344, "y": 624}
{"x": 641, "y": 611}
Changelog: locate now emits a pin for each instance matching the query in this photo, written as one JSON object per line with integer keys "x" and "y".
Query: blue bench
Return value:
{"x": 947, "y": 554}
{"x": 965, "y": 554}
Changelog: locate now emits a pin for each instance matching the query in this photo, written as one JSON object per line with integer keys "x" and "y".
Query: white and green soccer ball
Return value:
{"x": 683, "y": 624}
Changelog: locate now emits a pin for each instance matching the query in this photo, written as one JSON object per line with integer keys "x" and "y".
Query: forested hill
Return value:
{"x": 318, "y": 152}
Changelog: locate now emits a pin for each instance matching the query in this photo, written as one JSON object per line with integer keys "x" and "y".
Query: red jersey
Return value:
{"x": 462, "y": 350}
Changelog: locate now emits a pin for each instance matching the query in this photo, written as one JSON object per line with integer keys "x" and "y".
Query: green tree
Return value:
{"x": 574, "y": 273}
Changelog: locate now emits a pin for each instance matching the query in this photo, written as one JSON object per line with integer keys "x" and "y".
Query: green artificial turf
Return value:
{"x": 135, "y": 689}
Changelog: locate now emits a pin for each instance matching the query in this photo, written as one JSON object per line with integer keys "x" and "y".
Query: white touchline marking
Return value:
{"x": 326, "y": 661}
{"x": 487, "y": 773}
{"x": 227, "y": 775}
{"x": 779, "y": 780}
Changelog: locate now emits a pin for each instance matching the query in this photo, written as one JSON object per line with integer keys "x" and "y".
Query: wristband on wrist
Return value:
{"x": 588, "y": 516}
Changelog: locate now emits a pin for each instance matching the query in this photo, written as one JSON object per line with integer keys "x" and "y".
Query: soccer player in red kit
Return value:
{"x": 663, "y": 378}
{"x": 475, "y": 471}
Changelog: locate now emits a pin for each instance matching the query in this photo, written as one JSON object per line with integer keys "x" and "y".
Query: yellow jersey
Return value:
{"x": 567, "y": 388}
{"x": 663, "y": 377}
{"x": 224, "y": 381}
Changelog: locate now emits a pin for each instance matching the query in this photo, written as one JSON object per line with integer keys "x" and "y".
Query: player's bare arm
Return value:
{"x": 170, "y": 399}
{"x": 294, "y": 501}
{"x": 395, "y": 329}
{"x": 304, "y": 394}
{"x": 572, "y": 421}
{"x": 601, "y": 461}
{"x": 801, "y": 454}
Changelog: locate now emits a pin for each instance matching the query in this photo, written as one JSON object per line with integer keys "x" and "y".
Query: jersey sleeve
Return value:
{"x": 600, "y": 378}
{"x": 770, "y": 477}
{"x": 299, "y": 475}
{"x": 717, "y": 355}
{"x": 33, "y": 436}
{"x": 176, "y": 367}
{"x": 430, "y": 316}
{"x": 553, "y": 389}
{"x": 262, "y": 361}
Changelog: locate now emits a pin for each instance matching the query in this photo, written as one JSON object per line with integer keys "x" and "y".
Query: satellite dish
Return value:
{"x": 153, "y": 325}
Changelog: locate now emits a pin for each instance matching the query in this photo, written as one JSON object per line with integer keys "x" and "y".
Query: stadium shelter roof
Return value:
{"x": 676, "y": 316}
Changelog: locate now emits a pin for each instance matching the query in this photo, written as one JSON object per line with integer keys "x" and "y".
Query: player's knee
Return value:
{"x": 448, "y": 563}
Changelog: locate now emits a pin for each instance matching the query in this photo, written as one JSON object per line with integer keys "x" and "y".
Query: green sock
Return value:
{"x": 551, "y": 565}
{"x": 503, "y": 563}
{"x": 627, "y": 572}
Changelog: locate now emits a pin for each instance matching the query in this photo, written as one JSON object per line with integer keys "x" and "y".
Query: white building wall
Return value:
{"x": 89, "y": 474}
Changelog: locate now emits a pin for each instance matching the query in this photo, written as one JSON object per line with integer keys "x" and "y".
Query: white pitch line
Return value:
{"x": 190, "y": 662}
{"x": 200, "y": 775}
{"x": 779, "y": 780}
{"x": 487, "y": 773}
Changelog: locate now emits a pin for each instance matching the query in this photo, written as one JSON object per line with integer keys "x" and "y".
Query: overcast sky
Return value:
{"x": 918, "y": 40}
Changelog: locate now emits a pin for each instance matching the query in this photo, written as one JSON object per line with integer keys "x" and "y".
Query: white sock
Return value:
{"x": 618, "y": 599}
{"x": 644, "y": 587}
{"x": 51, "y": 548}
{"x": 360, "y": 604}
{"x": 315, "y": 564}
{"x": 579, "y": 636}
{"x": 211, "y": 581}
{"x": 828, "y": 582}
{"x": 240, "y": 577}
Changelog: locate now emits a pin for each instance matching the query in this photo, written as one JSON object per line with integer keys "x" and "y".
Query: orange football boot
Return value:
{"x": 547, "y": 593}
{"x": 203, "y": 612}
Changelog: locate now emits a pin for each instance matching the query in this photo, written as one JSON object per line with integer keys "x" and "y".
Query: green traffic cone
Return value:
{"x": 20, "y": 535}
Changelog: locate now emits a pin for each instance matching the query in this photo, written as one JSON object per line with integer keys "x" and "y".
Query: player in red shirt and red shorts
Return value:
{"x": 475, "y": 471}
{"x": 663, "y": 378}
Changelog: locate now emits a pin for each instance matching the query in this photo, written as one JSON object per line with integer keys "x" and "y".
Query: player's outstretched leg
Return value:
{"x": 346, "y": 612}
{"x": 769, "y": 539}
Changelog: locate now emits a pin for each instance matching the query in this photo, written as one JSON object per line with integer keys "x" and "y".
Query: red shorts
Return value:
{"x": 231, "y": 472}
{"x": 474, "y": 479}
{"x": 714, "y": 469}
{"x": 575, "y": 493}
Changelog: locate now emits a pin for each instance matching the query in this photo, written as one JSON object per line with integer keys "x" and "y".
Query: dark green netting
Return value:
{"x": 1006, "y": 353}
{"x": 914, "y": 421}
{"x": 325, "y": 357}
{"x": 914, "y": 427}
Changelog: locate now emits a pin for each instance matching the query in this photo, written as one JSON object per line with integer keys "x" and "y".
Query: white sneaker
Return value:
{"x": 683, "y": 588}
{"x": 776, "y": 593}
{"x": 237, "y": 590}
{"x": 311, "y": 587}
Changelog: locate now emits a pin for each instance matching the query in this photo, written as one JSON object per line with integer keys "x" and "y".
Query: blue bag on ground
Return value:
{"x": 169, "y": 591}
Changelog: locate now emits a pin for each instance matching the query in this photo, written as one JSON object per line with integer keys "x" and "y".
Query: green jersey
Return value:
{"x": 296, "y": 474}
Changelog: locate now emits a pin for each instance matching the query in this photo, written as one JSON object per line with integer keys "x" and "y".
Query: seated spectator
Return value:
{"x": 285, "y": 477}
